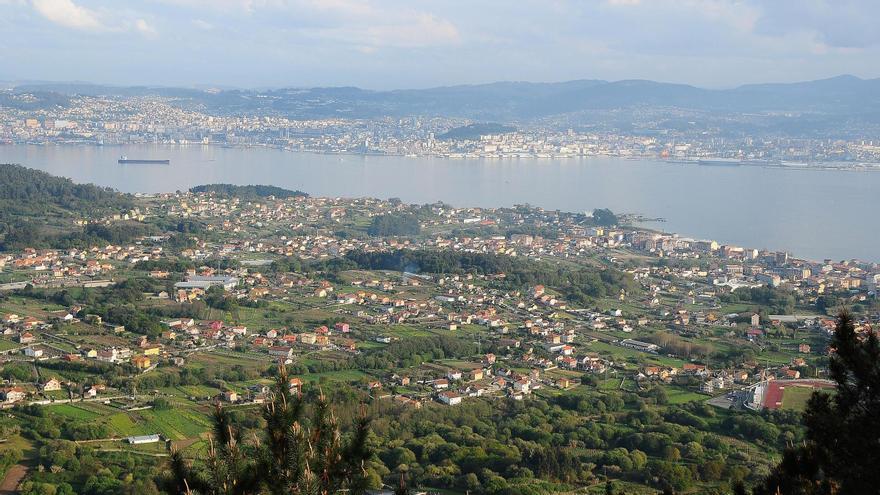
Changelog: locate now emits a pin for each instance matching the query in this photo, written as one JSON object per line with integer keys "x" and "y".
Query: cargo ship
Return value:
{"x": 721, "y": 162}
{"x": 126, "y": 160}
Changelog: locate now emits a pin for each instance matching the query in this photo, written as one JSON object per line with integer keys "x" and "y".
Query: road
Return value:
{"x": 13, "y": 477}
{"x": 57, "y": 284}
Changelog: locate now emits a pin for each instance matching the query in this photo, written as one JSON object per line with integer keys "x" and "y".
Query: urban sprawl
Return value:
{"x": 136, "y": 120}
{"x": 664, "y": 329}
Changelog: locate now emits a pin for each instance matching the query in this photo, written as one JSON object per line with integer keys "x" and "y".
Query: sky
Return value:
{"x": 426, "y": 43}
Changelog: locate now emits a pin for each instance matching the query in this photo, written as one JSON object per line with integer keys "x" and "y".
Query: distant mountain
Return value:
{"x": 843, "y": 97}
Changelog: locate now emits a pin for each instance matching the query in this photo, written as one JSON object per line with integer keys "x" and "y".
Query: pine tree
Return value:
{"x": 288, "y": 458}
{"x": 841, "y": 453}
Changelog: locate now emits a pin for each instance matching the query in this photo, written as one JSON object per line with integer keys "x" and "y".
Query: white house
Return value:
{"x": 449, "y": 398}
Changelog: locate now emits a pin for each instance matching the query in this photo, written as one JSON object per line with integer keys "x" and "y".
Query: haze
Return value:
{"x": 397, "y": 43}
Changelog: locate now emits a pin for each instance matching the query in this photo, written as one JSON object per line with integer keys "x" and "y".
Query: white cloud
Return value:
{"x": 361, "y": 23}
{"x": 71, "y": 15}
{"x": 411, "y": 31}
{"x": 68, "y": 14}
{"x": 143, "y": 27}
{"x": 203, "y": 24}
{"x": 368, "y": 24}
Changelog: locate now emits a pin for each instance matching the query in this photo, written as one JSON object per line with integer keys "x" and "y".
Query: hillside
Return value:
{"x": 475, "y": 131}
{"x": 26, "y": 191}
{"x": 508, "y": 101}
{"x": 34, "y": 204}
{"x": 250, "y": 191}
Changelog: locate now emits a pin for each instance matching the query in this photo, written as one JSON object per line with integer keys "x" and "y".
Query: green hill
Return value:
{"x": 36, "y": 207}
{"x": 250, "y": 191}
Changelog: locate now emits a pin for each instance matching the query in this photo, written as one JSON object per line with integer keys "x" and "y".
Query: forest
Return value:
{"x": 26, "y": 192}
{"x": 247, "y": 192}
{"x": 394, "y": 225}
{"x": 579, "y": 284}
{"x": 32, "y": 201}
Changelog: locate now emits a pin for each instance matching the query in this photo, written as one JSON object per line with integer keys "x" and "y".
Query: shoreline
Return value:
{"x": 696, "y": 161}
{"x": 640, "y": 217}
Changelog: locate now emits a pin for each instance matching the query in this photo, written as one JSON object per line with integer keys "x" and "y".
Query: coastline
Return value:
{"x": 575, "y": 185}
{"x": 692, "y": 161}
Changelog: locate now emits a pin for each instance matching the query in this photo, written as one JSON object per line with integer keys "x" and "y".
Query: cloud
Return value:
{"x": 143, "y": 27}
{"x": 202, "y": 24}
{"x": 361, "y": 24}
{"x": 68, "y": 14}
{"x": 838, "y": 23}
{"x": 379, "y": 43}
{"x": 413, "y": 31}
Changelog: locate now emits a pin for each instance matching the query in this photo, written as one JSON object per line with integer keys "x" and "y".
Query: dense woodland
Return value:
{"x": 394, "y": 225}
{"x": 579, "y": 284}
{"x": 29, "y": 192}
{"x": 247, "y": 192}
{"x": 38, "y": 210}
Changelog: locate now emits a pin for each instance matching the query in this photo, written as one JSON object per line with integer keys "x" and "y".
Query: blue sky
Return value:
{"x": 421, "y": 43}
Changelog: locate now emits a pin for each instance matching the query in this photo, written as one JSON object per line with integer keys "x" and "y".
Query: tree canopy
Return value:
{"x": 842, "y": 448}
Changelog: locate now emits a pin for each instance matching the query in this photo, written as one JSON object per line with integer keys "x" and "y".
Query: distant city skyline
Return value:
{"x": 417, "y": 44}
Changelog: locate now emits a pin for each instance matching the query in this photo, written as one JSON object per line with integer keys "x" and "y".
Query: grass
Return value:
{"x": 406, "y": 331}
{"x": 676, "y": 395}
{"x": 97, "y": 408}
{"x": 795, "y": 398}
{"x": 176, "y": 424}
{"x": 74, "y": 412}
{"x": 6, "y": 345}
{"x": 199, "y": 390}
{"x": 21, "y": 443}
{"x": 622, "y": 353}
{"x": 338, "y": 376}
{"x": 122, "y": 425}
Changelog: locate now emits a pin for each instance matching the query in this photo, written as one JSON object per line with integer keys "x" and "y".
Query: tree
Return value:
{"x": 291, "y": 457}
{"x": 842, "y": 448}
{"x": 605, "y": 217}
{"x": 609, "y": 488}
{"x": 394, "y": 225}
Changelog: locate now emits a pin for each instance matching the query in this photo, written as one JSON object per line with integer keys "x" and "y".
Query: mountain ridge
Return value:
{"x": 510, "y": 101}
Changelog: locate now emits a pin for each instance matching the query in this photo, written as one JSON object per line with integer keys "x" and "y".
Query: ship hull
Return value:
{"x": 143, "y": 162}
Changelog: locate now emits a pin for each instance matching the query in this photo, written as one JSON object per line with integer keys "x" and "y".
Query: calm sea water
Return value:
{"x": 813, "y": 214}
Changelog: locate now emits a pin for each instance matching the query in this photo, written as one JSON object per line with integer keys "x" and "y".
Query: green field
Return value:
{"x": 795, "y": 398}
{"x": 73, "y": 411}
{"x": 6, "y": 345}
{"x": 199, "y": 390}
{"x": 338, "y": 376}
{"x": 175, "y": 424}
{"x": 405, "y": 331}
{"x": 622, "y": 353}
{"x": 677, "y": 395}
{"x": 122, "y": 425}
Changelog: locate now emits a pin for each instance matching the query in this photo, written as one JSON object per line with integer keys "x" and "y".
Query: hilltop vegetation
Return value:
{"x": 579, "y": 285}
{"x": 587, "y": 101}
{"x": 26, "y": 192}
{"x": 39, "y": 209}
{"x": 249, "y": 191}
{"x": 394, "y": 225}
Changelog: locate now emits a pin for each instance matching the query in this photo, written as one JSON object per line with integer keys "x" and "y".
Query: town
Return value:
{"x": 113, "y": 120}
{"x": 410, "y": 307}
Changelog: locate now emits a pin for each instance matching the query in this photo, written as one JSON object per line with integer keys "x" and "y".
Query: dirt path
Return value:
{"x": 13, "y": 477}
